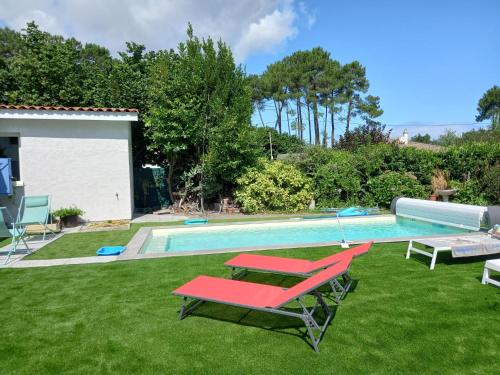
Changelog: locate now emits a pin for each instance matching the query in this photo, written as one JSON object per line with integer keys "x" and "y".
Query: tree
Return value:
{"x": 274, "y": 83}
{"x": 425, "y": 138}
{"x": 448, "y": 138}
{"x": 372, "y": 132}
{"x": 199, "y": 114}
{"x": 489, "y": 107}
{"x": 257, "y": 94}
{"x": 354, "y": 83}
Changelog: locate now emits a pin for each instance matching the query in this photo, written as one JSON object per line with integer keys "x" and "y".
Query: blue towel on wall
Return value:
{"x": 5, "y": 176}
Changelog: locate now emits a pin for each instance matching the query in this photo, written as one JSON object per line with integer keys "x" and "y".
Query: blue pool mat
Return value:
{"x": 110, "y": 250}
{"x": 195, "y": 221}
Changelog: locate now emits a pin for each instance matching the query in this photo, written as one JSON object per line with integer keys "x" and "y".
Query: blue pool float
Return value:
{"x": 352, "y": 211}
{"x": 110, "y": 250}
{"x": 195, "y": 221}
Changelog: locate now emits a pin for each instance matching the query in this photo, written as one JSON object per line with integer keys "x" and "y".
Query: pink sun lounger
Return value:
{"x": 243, "y": 263}
{"x": 266, "y": 298}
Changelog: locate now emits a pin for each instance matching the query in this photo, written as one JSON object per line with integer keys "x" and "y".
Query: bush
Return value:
{"x": 469, "y": 160}
{"x": 469, "y": 192}
{"x": 273, "y": 186}
{"x": 69, "y": 211}
{"x": 385, "y": 187}
{"x": 490, "y": 184}
{"x": 337, "y": 183}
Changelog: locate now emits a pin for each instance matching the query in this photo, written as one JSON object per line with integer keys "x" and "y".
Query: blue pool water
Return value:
{"x": 287, "y": 233}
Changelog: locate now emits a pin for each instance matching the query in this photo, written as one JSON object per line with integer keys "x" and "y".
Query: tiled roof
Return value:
{"x": 60, "y": 108}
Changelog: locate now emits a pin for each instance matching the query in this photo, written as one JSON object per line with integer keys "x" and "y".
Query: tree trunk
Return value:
{"x": 170, "y": 175}
{"x": 332, "y": 115}
{"x": 348, "y": 121}
{"x": 316, "y": 122}
{"x": 309, "y": 121}
{"x": 299, "y": 120}
{"x": 260, "y": 115}
{"x": 288, "y": 119}
{"x": 324, "y": 127}
{"x": 279, "y": 109}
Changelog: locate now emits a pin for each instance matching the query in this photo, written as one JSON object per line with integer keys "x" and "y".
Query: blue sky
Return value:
{"x": 429, "y": 61}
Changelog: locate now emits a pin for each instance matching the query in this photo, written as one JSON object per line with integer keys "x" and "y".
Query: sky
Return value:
{"x": 428, "y": 61}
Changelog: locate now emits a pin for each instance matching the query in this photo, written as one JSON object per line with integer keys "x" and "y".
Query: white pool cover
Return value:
{"x": 453, "y": 214}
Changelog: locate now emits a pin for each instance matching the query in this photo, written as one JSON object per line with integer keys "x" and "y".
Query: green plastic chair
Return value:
{"x": 34, "y": 210}
{"x": 16, "y": 233}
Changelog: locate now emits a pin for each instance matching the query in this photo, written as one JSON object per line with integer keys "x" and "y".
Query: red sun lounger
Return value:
{"x": 267, "y": 298}
{"x": 243, "y": 263}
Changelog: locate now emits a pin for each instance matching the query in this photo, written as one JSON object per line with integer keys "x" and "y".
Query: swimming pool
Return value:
{"x": 286, "y": 234}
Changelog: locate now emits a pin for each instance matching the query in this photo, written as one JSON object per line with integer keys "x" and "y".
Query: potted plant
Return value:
{"x": 440, "y": 185}
{"x": 68, "y": 216}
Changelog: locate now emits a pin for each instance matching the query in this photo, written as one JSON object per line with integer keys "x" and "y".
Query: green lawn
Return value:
{"x": 120, "y": 318}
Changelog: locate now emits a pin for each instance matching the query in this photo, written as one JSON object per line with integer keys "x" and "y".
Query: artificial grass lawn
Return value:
{"x": 84, "y": 244}
{"x": 120, "y": 318}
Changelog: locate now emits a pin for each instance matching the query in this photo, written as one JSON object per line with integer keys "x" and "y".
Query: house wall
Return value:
{"x": 78, "y": 162}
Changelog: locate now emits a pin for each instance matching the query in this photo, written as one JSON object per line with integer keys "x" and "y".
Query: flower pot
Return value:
{"x": 433, "y": 197}
{"x": 70, "y": 221}
{"x": 230, "y": 210}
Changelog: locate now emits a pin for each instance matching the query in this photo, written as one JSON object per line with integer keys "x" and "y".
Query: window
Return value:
{"x": 9, "y": 148}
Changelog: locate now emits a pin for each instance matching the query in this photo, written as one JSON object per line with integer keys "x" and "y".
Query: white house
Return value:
{"x": 79, "y": 156}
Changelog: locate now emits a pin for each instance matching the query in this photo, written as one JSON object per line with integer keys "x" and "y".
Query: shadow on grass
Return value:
{"x": 260, "y": 319}
{"x": 447, "y": 258}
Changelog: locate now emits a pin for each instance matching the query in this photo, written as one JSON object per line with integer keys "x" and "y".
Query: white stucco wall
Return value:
{"x": 85, "y": 163}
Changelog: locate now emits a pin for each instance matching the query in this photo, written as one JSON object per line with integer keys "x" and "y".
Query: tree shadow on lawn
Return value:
{"x": 263, "y": 320}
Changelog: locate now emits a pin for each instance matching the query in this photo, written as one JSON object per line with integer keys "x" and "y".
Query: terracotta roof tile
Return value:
{"x": 61, "y": 108}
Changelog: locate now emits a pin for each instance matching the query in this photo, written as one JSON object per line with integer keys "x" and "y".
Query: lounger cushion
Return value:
{"x": 351, "y": 253}
{"x": 293, "y": 266}
{"x": 37, "y": 201}
{"x": 312, "y": 283}
{"x": 232, "y": 292}
{"x": 265, "y": 262}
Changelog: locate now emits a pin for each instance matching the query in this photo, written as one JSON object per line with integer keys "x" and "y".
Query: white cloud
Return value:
{"x": 248, "y": 26}
{"x": 265, "y": 34}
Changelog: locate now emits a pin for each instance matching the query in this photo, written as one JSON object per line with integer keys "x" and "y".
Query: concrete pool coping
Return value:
{"x": 134, "y": 246}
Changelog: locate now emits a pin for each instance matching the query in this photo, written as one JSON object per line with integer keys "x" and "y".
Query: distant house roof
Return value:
{"x": 61, "y": 108}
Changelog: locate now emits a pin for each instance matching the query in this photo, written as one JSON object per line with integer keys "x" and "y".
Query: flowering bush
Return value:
{"x": 273, "y": 186}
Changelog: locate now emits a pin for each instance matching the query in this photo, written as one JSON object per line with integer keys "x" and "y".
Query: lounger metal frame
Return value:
{"x": 189, "y": 304}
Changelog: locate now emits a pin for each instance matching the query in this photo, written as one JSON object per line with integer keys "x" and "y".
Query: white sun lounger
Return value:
{"x": 461, "y": 246}
{"x": 491, "y": 265}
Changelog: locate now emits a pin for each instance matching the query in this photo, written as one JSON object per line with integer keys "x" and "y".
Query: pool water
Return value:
{"x": 300, "y": 233}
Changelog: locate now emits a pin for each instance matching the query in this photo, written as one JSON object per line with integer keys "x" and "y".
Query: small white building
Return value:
{"x": 79, "y": 156}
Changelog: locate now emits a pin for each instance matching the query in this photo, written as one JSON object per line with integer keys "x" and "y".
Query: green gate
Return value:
{"x": 150, "y": 189}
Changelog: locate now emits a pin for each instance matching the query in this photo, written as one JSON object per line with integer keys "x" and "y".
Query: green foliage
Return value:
{"x": 385, "y": 187}
{"x": 282, "y": 143}
{"x": 337, "y": 183}
{"x": 273, "y": 186}
{"x": 69, "y": 211}
{"x": 199, "y": 112}
{"x": 421, "y": 138}
{"x": 469, "y": 192}
{"x": 370, "y": 133}
{"x": 420, "y": 163}
{"x": 490, "y": 184}
{"x": 488, "y": 107}
{"x": 469, "y": 160}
